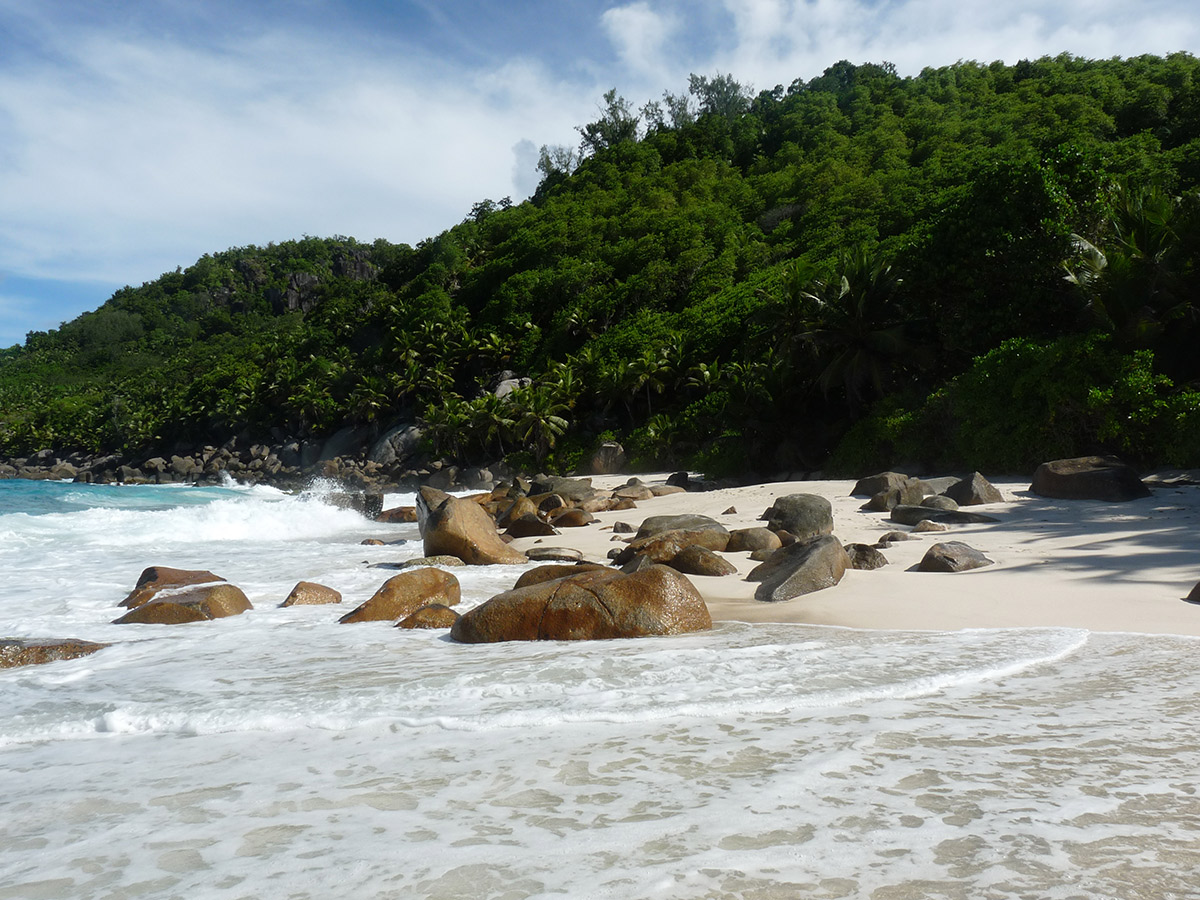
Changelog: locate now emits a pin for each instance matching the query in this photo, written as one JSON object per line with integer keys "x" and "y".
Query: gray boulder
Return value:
{"x": 875, "y": 484}
{"x": 1088, "y": 478}
{"x": 952, "y": 556}
{"x": 911, "y": 515}
{"x": 864, "y": 556}
{"x": 973, "y": 491}
{"x": 800, "y": 568}
{"x": 939, "y": 501}
{"x": 801, "y": 515}
{"x": 653, "y": 525}
{"x": 397, "y": 445}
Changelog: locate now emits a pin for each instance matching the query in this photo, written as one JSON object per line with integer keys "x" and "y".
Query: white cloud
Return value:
{"x": 640, "y": 36}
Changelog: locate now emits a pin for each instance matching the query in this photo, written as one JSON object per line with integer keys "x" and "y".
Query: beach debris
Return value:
{"x": 742, "y": 539}
{"x": 431, "y": 616}
{"x": 592, "y": 605}
{"x": 801, "y": 568}
{"x": 973, "y": 491}
{"x": 462, "y": 528}
{"x": 911, "y": 515}
{"x": 155, "y": 579}
{"x": 802, "y": 515}
{"x": 696, "y": 560}
{"x": 34, "y": 651}
{"x": 309, "y": 593}
{"x": 875, "y": 484}
{"x": 1088, "y": 478}
{"x": 864, "y": 556}
{"x": 952, "y": 556}
{"x": 405, "y": 593}
{"x": 197, "y": 603}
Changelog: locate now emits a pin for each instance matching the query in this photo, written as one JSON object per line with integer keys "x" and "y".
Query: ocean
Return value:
{"x": 279, "y": 754}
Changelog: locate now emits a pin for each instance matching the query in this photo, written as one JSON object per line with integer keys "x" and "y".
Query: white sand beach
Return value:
{"x": 1114, "y": 567}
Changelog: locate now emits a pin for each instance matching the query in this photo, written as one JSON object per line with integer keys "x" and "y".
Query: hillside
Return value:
{"x": 981, "y": 265}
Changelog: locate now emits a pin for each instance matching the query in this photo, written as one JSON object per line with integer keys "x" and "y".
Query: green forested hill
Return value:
{"x": 981, "y": 265}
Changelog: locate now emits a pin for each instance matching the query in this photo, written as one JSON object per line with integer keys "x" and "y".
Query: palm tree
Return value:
{"x": 539, "y": 419}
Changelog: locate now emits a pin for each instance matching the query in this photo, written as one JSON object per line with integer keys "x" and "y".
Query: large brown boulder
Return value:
{"x": 1088, "y": 478}
{"x": 190, "y": 604}
{"x": 529, "y": 525}
{"x": 800, "y": 568}
{"x": 30, "y": 652}
{"x": 517, "y": 509}
{"x": 160, "y": 578}
{"x": 909, "y": 492}
{"x": 461, "y": 528}
{"x": 405, "y": 593}
{"x": 803, "y": 515}
{"x": 593, "y": 605}
{"x": 309, "y": 593}
{"x": 875, "y": 484}
{"x": 552, "y": 573}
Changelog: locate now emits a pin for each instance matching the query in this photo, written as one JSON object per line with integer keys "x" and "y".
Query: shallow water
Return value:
{"x": 279, "y": 754}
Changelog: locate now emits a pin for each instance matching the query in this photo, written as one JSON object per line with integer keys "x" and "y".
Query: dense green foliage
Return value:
{"x": 981, "y": 265}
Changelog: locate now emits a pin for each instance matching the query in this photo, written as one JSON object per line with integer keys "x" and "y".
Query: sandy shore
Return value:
{"x": 1085, "y": 564}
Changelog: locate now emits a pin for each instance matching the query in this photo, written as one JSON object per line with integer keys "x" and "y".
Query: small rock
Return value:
{"x": 30, "y": 652}
{"x": 732, "y": 511}
{"x": 554, "y": 554}
{"x": 939, "y": 501}
{"x": 696, "y": 560}
{"x": 308, "y": 593}
{"x": 864, "y": 556}
{"x": 926, "y": 525}
{"x": 623, "y": 528}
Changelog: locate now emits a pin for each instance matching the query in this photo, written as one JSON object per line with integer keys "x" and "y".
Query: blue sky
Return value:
{"x": 136, "y": 136}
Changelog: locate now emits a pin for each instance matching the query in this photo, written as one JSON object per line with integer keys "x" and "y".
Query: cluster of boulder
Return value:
{"x": 645, "y": 590}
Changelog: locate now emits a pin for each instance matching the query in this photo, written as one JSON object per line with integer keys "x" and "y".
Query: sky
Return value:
{"x": 138, "y": 135}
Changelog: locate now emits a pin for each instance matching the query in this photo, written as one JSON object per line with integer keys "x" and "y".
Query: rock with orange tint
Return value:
{"x": 398, "y": 514}
{"x": 189, "y": 604}
{"x": 31, "y": 652}
{"x": 435, "y": 615}
{"x": 309, "y": 593}
{"x": 405, "y": 593}
{"x": 159, "y": 578}
{"x": 593, "y": 605}
{"x": 461, "y": 528}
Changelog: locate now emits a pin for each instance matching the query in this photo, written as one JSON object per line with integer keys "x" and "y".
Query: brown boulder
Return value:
{"x": 634, "y": 492}
{"x": 572, "y": 518}
{"x": 696, "y": 560}
{"x": 518, "y": 508}
{"x": 405, "y": 593}
{"x": 553, "y": 573}
{"x": 864, "y": 556}
{"x": 752, "y": 539}
{"x": 160, "y": 578}
{"x": 973, "y": 491}
{"x": 434, "y": 615}
{"x": 594, "y": 605}
{"x": 309, "y": 593}
{"x": 29, "y": 652}
{"x": 665, "y": 546}
{"x": 461, "y": 528}
{"x": 529, "y": 525}
{"x": 398, "y": 514}
{"x": 189, "y": 604}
